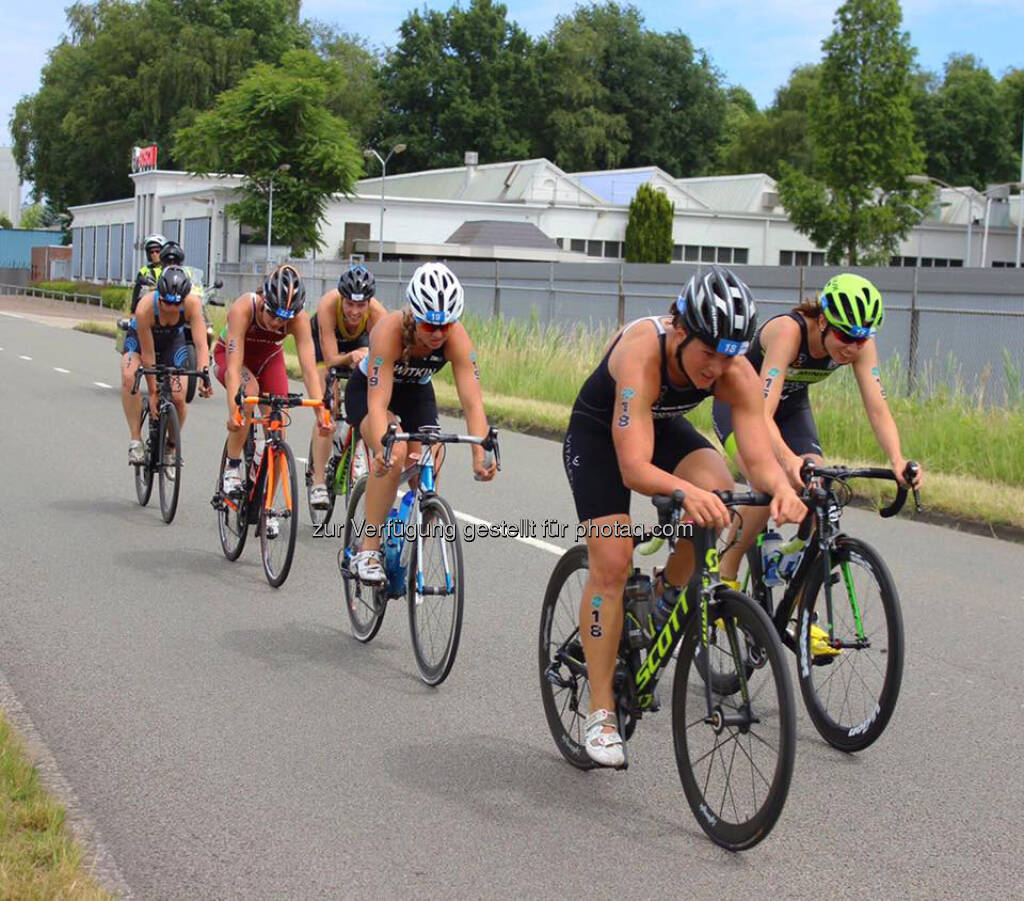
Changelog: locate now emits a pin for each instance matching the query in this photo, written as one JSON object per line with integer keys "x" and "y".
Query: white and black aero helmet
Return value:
{"x": 718, "y": 308}
{"x": 434, "y": 294}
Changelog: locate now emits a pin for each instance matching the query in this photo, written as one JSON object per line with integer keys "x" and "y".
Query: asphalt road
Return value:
{"x": 228, "y": 740}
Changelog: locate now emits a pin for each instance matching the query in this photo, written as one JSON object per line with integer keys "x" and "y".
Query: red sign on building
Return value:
{"x": 144, "y": 158}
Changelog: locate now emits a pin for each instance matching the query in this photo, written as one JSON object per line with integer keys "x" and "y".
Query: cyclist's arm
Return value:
{"x": 196, "y": 321}
{"x": 377, "y": 312}
{"x": 869, "y": 381}
{"x": 147, "y": 347}
{"x": 326, "y": 316}
{"x": 140, "y": 286}
{"x": 239, "y": 320}
{"x": 460, "y": 353}
{"x": 781, "y": 341}
{"x": 301, "y": 331}
{"x": 739, "y": 387}
{"x": 385, "y": 347}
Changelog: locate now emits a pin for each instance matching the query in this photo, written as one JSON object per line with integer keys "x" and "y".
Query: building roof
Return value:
{"x": 752, "y": 193}
{"x": 495, "y": 232}
{"x": 617, "y": 186}
{"x": 525, "y": 181}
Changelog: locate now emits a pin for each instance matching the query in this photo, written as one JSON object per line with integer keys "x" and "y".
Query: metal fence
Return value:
{"x": 945, "y": 325}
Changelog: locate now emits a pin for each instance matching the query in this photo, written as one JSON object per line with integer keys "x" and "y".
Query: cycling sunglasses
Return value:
{"x": 849, "y": 339}
{"x": 173, "y": 299}
{"x": 430, "y": 327}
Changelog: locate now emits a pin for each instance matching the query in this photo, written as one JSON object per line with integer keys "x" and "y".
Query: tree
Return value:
{"x": 33, "y": 216}
{"x": 965, "y": 126}
{"x": 358, "y": 98}
{"x": 5, "y": 221}
{"x": 1011, "y": 92}
{"x": 619, "y": 94}
{"x": 856, "y": 203}
{"x": 457, "y": 81}
{"x": 133, "y": 73}
{"x": 278, "y": 115}
{"x": 781, "y": 134}
{"x": 649, "y": 229}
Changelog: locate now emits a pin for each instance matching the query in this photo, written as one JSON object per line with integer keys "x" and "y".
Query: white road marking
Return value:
{"x": 12, "y": 315}
{"x": 58, "y": 369}
{"x": 102, "y": 385}
{"x": 532, "y": 542}
{"x": 302, "y": 460}
{"x": 23, "y": 357}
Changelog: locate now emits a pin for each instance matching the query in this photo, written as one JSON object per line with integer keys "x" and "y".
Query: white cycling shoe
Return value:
{"x": 136, "y": 452}
{"x": 367, "y": 568}
{"x": 319, "y": 499}
{"x": 604, "y": 748}
{"x": 232, "y": 481}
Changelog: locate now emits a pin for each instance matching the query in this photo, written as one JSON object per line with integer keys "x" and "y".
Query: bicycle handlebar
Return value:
{"x": 277, "y": 402}
{"x": 160, "y": 371}
{"x": 430, "y": 436}
{"x": 841, "y": 473}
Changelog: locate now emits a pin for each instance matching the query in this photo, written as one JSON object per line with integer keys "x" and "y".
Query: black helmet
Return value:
{"x": 174, "y": 285}
{"x": 718, "y": 308}
{"x": 357, "y": 283}
{"x": 283, "y": 292}
{"x": 153, "y": 242}
{"x": 171, "y": 254}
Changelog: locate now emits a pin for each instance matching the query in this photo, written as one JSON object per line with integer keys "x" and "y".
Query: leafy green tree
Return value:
{"x": 965, "y": 126}
{"x": 656, "y": 99}
{"x": 132, "y": 73}
{"x": 279, "y": 115}
{"x": 33, "y": 216}
{"x": 5, "y": 221}
{"x": 649, "y": 228}
{"x": 781, "y": 134}
{"x": 457, "y": 81}
{"x": 856, "y": 203}
{"x": 358, "y": 99}
{"x": 1011, "y": 92}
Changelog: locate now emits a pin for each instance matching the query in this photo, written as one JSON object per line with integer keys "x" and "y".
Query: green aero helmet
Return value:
{"x": 853, "y": 305}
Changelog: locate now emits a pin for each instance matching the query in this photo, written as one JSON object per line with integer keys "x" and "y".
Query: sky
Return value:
{"x": 754, "y": 43}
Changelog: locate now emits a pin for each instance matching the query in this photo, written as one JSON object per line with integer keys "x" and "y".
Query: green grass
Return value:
{"x": 38, "y": 858}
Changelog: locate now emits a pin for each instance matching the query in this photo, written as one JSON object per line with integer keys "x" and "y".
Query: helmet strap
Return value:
{"x": 679, "y": 356}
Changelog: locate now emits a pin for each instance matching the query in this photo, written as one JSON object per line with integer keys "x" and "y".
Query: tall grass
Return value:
{"x": 950, "y": 428}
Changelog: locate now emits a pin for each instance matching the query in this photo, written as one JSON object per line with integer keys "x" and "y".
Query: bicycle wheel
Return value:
{"x": 170, "y": 473}
{"x": 564, "y": 687}
{"x": 365, "y": 604}
{"x": 736, "y": 764}
{"x": 193, "y": 380}
{"x": 232, "y": 516}
{"x": 850, "y": 697}
{"x": 318, "y": 517}
{"x": 435, "y": 603}
{"x": 278, "y": 523}
{"x": 143, "y": 471}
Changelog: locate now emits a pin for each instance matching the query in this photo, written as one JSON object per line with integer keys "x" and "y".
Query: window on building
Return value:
{"x": 724, "y": 254}
{"x": 707, "y": 254}
{"x": 785, "y": 257}
{"x": 677, "y": 252}
{"x": 739, "y": 255}
{"x": 691, "y": 253}
{"x": 594, "y": 248}
{"x": 579, "y": 245}
{"x": 612, "y": 249}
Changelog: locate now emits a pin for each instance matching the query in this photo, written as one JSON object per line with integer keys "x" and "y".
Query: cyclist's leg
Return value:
{"x": 250, "y": 385}
{"x": 176, "y": 354}
{"x": 416, "y": 406}
{"x": 131, "y": 403}
{"x": 602, "y": 507}
{"x": 321, "y": 443}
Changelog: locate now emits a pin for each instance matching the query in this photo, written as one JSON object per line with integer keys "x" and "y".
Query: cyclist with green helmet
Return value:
{"x": 800, "y": 348}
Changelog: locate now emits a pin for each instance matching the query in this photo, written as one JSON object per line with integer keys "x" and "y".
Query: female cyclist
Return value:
{"x": 392, "y": 384}
{"x": 627, "y": 432}
{"x": 341, "y": 335}
{"x": 791, "y": 352}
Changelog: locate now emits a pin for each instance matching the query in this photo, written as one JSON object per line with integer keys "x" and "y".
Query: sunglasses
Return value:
{"x": 430, "y": 328}
{"x": 173, "y": 299}
{"x": 848, "y": 339}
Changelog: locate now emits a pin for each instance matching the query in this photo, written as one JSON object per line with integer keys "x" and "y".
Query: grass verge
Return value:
{"x": 38, "y": 858}
{"x": 974, "y": 469}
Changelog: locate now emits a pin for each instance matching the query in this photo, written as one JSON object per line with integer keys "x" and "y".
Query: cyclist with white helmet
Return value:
{"x": 627, "y": 432}
{"x": 392, "y": 384}
{"x": 791, "y": 352}
{"x": 344, "y": 318}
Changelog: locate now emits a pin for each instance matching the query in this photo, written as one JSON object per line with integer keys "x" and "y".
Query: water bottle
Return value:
{"x": 770, "y": 557}
{"x": 639, "y": 597}
{"x": 792, "y": 552}
{"x": 664, "y": 607}
{"x": 257, "y": 456}
{"x": 405, "y": 546}
{"x": 392, "y": 540}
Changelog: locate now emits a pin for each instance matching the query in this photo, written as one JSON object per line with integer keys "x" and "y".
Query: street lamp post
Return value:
{"x": 932, "y": 180}
{"x": 284, "y": 167}
{"x": 370, "y": 152}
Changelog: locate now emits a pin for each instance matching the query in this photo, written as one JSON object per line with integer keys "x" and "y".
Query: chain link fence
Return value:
{"x": 959, "y": 328}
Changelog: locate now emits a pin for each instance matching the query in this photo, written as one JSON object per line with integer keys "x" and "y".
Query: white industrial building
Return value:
{"x": 10, "y": 186}
{"x": 526, "y": 210}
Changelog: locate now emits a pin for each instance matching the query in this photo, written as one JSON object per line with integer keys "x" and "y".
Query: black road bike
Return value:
{"x": 841, "y": 587}
{"x": 162, "y": 438}
{"x": 734, "y": 744}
